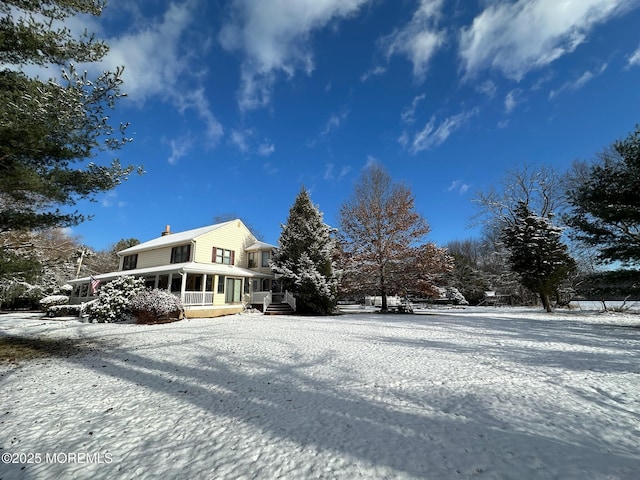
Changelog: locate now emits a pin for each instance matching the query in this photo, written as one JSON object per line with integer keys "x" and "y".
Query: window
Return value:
{"x": 130, "y": 262}
{"x": 265, "y": 258}
{"x": 180, "y": 254}
{"x": 220, "y": 283}
{"x": 223, "y": 256}
{"x": 252, "y": 260}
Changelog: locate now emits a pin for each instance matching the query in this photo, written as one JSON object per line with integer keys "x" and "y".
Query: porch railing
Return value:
{"x": 198, "y": 298}
{"x": 291, "y": 300}
{"x": 266, "y": 302}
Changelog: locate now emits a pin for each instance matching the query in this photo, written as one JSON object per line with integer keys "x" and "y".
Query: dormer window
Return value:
{"x": 253, "y": 262}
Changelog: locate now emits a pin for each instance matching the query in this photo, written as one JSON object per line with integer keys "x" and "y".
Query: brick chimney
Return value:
{"x": 167, "y": 231}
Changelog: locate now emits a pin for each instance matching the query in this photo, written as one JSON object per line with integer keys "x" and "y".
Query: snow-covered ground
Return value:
{"x": 460, "y": 393}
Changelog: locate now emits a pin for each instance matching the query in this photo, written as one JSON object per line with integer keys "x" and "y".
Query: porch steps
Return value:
{"x": 279, "y": 309}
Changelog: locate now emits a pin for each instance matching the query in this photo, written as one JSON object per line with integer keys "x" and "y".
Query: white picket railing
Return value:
{"x": 198, "y": 298}
{"x": 291, "y": 300}
{"x": 266, "y": 302}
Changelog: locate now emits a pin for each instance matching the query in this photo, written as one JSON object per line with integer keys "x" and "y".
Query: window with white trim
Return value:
{"x": 265, "y": 258}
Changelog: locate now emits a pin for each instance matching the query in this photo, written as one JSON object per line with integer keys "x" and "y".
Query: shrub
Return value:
{"x": 64, "y": 311}
{"x": 53, "y": 300}
{"x": 156, "y": 306}
{"x": 16, "y": 295}
{"x": 114, "y": 298}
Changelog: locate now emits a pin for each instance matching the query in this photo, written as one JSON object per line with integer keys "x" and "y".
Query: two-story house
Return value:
{"x": 215, "y": 270}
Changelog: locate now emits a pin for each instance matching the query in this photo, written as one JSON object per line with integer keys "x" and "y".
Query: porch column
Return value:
{"x": 204, "y": 287}
{"x": 183, "y": 286}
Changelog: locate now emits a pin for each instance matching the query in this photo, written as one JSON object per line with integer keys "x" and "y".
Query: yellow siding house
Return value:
{"x": 215, "y": 270}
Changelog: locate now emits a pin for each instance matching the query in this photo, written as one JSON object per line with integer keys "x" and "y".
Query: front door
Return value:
{"x": 233, "y": 290}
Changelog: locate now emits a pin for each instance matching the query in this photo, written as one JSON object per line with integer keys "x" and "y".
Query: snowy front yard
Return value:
{"x": 474, "y": 393}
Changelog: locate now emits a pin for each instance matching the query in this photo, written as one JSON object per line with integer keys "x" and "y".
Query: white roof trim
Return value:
{"x": 189, "y": 267}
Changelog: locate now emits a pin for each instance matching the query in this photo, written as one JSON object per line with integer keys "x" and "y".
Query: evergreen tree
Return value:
{"x": 537, "y": 253}
{"x": 304, "y": 260}
{"x": 49, "y": 128}
{"x": 606, "y": 201}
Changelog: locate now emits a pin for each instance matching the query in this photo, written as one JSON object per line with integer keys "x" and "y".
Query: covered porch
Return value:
{"x": 205, "y": 290}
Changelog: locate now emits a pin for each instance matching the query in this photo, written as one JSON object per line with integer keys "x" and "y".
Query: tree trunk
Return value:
{"x": 546, "y": 302}
{"x": 383, "y": 293}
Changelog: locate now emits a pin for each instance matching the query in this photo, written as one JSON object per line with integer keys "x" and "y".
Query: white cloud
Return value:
{"x": 375, "y": 71}
{"x": 487, "y": 88}
{"x": 239, "y": 139}
{"x": 150, "y": 70}
{"x": 580, "y": 82}
{"x": 197, "y": 100}
{"x": 419, "y": 39}
{"x": 458, "y": 186}
{"x": 266, "y": 149}
{"x": 432, "y": 136}
{"x": 179, "y": 148}
{"x": 634, "y": 58}
{"x": 244, "y": 141}
{"x": 110, "y": 199}
{"x": 157, "y": 65}
{"x": 335, "y": 121}
{"x": 511, "y": 100}
{"x": 273, "y": 37}
{"x": 371, "y": 161}
{"x": 330, "y": 173}
{"x": 517, "y": 37}
{"x": 408, "y": 114}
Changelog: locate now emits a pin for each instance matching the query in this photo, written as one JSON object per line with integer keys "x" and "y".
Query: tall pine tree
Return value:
{"x": 606, "y": 202}
{"x": 50, "y": 128}
{"x": 537, "y": 253}
{"x": 304, "y": 260}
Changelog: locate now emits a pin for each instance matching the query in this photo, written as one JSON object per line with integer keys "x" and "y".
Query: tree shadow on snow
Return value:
{"x": 421, "y": 433}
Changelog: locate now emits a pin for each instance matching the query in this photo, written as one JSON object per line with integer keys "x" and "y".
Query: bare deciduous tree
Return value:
{"x": 383, "y": 237}
{"x": 540, "y": 188}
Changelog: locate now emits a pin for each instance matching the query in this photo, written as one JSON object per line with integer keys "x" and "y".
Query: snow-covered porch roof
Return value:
{"x": 260, "y": 246}
{"x": 188, "y": 267}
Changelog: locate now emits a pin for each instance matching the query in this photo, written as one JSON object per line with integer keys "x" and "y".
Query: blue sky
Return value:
{"x": 234, "y": 105}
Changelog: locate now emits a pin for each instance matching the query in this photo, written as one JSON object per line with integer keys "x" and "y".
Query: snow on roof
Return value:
{"x": 174, "y": 238}
{"x": 260, "y": 246}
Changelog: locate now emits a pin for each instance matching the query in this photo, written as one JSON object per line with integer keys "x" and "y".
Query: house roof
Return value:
{"x": 173, "y": 238}
{"x": 260, "y": 246}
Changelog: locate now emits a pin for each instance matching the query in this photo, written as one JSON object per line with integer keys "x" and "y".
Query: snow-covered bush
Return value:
{"x": 156, "y": 306}
{"x": 451, "y": 295}
{"x": 64, "y": 311}
{"x": 52, "y": 300}
{"x": 114, "y": 298}
{"x": 16, "y": 294}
